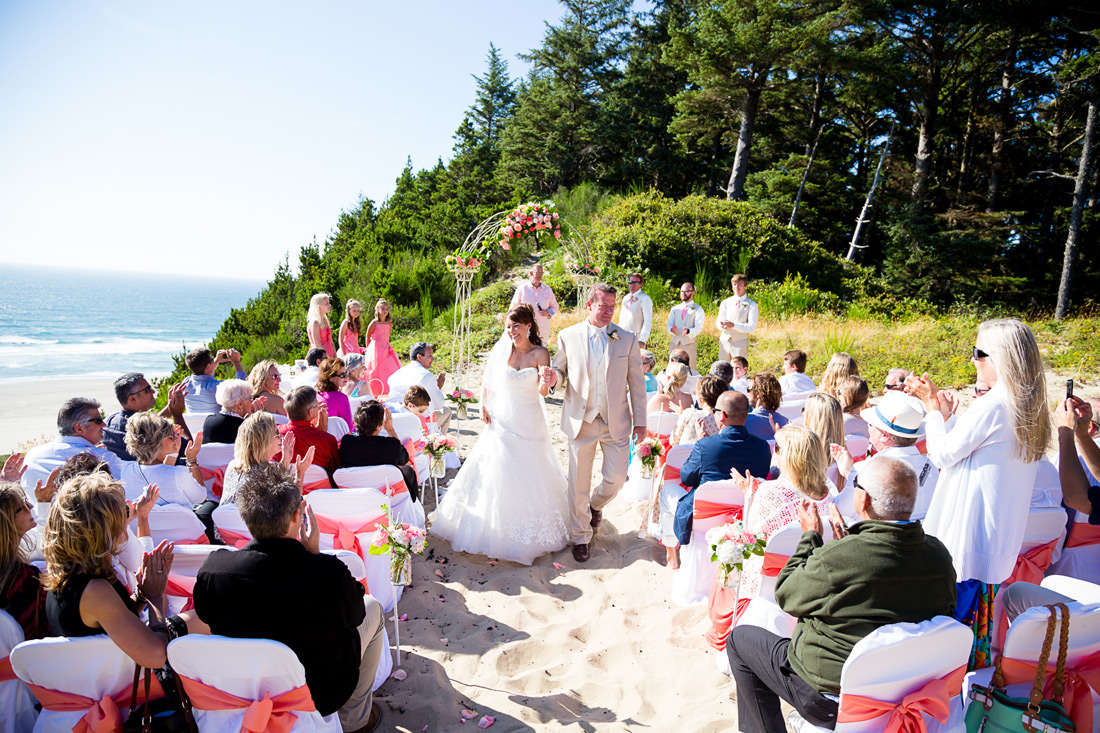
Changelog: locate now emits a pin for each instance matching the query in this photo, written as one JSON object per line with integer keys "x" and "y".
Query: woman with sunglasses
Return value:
{"x": 330, "y": 381}
{"x": 988, "y": 460}
{"x": 266, "y": 381}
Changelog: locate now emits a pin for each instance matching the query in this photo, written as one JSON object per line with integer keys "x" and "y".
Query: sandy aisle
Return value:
{"x": 592, "y": 647}
{"x": 30, "y": 408}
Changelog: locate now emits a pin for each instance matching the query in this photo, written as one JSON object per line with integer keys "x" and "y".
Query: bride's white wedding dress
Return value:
{"x": 510, "y": 498}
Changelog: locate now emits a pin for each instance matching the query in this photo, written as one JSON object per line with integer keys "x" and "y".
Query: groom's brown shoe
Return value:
{"x": 580, "y": 552}
{"x": 597, "y": 517}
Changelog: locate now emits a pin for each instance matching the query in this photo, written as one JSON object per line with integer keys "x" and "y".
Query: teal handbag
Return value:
{"x": 992, "y": 710}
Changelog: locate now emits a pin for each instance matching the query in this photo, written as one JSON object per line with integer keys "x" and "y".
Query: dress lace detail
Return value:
{"x": 510, "y": 498}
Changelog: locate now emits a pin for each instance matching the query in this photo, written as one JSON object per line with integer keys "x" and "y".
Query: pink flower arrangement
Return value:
{"x": 400, "y": 539}
{"x": 649, "y": 450}
{"x": 457, "y": 261}
{"x": 527, "y": 219}
{"x": 463, "y": 396}
{"x": 731, "y": 544}
{"x": 436, "y": 445}
{"x": 585, "y": 268}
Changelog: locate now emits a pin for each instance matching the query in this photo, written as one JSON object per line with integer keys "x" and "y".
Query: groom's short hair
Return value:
{"x": 602, "y": 288}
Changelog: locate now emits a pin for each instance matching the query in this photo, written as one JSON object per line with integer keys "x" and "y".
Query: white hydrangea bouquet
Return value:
{"x": 731, "y": 544}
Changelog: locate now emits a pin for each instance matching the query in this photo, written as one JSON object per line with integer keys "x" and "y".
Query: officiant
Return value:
{"x": 540, "y": 297}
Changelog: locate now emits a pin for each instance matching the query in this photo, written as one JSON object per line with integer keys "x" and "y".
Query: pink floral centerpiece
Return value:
{"x": 649, "y": 450}
{"x": 731, "y": 544}
{"x": 462, "y": 398}
{"x": 460, "y": 262}
{"x": 401, "y": 541}
{"x": 436, "y": 446}
{"x": 527, "y": 219}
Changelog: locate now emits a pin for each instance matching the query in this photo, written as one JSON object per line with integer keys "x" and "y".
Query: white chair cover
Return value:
{"x": 17, "y": 713}
{"x": 407, "y": 427}
{"x": 315, "y": 475}
{"x": 176, "y": 523}
{"x": 247, "y": 668}
{"x": 762, "y": 610}
{"x": 672, "y": 492}
{"x": 791, "y": 409}
{"x": 379, "y": 478}
{"x": 692, "y": 582}
{"x": 1081, "y": 562}
{"x": 280, "y": 419}
{"x": 359, "y": 572}
{"x": 91, "y": 666}
{"x": 335, "y": 502}
{"x": 187, "y": 560}
{"x": 662, "y": 423}
{"x": 226, "y": 517}
{"x": 1075, "y": 588}
{"x": 194, "y": 421}
{"x": 338, "y": 426}
{"x": 214, "y": 456}
{"x": 857, "y": 445}
{"x": 1045, "y": 525}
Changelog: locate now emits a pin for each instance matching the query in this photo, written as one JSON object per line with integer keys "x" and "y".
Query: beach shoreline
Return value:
{"x": 30, "y": 406}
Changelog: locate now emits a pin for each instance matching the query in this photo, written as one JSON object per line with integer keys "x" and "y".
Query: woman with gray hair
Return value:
{"x": 355, "y": 386}
{"x": 155, "y": 443}
{"x": 234, "y": 397}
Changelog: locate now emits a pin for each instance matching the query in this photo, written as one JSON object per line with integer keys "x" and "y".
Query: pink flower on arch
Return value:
{"x": 557, "y": 234}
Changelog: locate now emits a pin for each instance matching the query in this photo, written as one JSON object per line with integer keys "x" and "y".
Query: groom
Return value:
{"x": 604, "y": 396}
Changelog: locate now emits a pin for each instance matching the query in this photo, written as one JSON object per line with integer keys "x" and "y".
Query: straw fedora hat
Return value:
{"x": 897, "y": 414}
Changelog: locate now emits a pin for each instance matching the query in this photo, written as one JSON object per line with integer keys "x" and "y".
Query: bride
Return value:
{"x": 510, "y": 498}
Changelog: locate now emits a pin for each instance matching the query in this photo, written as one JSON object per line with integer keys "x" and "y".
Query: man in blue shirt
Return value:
{"x": 135, "y": 395}
{"x": 80, "y": 425}
{"x": 713, "y": 457}
{"x": 201, "y": 385}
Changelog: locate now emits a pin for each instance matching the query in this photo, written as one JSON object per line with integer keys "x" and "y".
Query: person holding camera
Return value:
{"x": 202, "y": 387}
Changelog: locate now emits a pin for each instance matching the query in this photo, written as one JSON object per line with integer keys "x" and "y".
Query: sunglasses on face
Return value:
{"x": 894, "y": 386}
{"x": 342, "y": 375}
{"x": 147, "y": 388}
{"x": 979, "y": 354}
{"x": 98, "y": 420}
{"x": 634, "y": 282}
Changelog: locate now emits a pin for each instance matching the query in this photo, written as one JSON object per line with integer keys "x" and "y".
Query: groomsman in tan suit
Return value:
{"x": 636, "y": 313}
{"x": 737, "y": 316}
{"x": 601, "y": 367}
{"x": 685, "y": 323}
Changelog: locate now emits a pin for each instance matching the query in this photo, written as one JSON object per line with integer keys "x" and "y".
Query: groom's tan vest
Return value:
{"x": 624, "y": 376}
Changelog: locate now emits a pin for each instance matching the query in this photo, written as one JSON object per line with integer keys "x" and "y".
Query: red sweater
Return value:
{"x": 327, "y": 453}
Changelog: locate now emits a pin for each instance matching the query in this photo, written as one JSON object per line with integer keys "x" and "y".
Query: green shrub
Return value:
{"x": 793, "y": 297}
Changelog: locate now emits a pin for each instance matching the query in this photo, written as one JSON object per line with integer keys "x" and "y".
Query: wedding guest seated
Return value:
{"x": 840, "y": 365}
{"x": 308, "y": 424}
{"x": 1073, "y": 418}
{"x": 712, "y": 459}
{"x": 235, "y": 400}
{"x": 794, "y": 381}
{"x": 308, "y": 376}
{"x": 649, "y": 363}
{"x": 202, "y": 385}
{"x": 330, "y": 380}
{"x": 354, "y": 385}
{"x": 887, "y": 570}
{"x": 895, "y": 379}
{"x": 417, "y": 372}
{"x": 740, "y": 381}
{"x": 135, "y": 394}
{"x": 21, "y": 592}
{"x": 894, "y": 426}
{"x": 334, "y": 629}
{"x": 677, "y": 356}
{"x": 417, "y": 401}
{"x": 853, "y": 394}
{"x": 266, "y": 380}
{"x": 155, "y": 443}
{"x": 765, "y": 394}
{"x": 671, "y": 398}
{"x": 84, "y": 595}
{"x": 697, "y": 423}
{"x": 80, "y": 429}
{"x": 822, "y": 415}
{"x": 258, "y": 442}
{"x": 366, "y": 447}
{"x": 724, "y": 371}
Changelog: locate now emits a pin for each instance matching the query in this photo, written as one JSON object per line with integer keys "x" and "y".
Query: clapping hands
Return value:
{"x": 13, "y": 468}
{"x": 152, "y": 578}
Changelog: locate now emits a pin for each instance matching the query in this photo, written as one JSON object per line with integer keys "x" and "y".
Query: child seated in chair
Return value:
{"x": 418, "y": 402}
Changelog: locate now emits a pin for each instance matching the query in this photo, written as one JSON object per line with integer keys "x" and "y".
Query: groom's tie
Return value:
{"x": 597, "y": 388}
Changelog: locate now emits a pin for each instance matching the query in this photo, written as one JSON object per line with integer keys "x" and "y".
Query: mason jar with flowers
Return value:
{"x": 731, "y": 544}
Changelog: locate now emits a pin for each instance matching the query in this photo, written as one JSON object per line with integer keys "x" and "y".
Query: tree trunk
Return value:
{"x": 805, "y": 175}
{"x": 815, "y": 113}
{"x": 1080, "y": 191}
{"x": 967, "y": 146}
{"x": 933, "y": 80}
{"x": 736, "y": 189}
{"x": 1002, "y": 123}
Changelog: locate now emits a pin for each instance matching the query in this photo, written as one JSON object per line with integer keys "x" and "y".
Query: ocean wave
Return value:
{"x": 93, "y": 347}
{"x": 25, "y": 340}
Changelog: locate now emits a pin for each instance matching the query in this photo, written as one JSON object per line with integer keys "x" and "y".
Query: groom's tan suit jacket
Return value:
{"x": 623, "y": 372}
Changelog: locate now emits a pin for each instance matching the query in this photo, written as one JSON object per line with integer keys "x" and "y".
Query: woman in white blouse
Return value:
{"x": 988, "y": 459}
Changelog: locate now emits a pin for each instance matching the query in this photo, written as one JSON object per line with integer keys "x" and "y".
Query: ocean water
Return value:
{"x": 63, "y": 322}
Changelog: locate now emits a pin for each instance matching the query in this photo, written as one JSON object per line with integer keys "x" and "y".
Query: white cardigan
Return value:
{"x": 980, "y": 507}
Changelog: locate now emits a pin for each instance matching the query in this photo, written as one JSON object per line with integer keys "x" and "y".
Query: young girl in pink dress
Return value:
{"x": 381, "y": 358}
{"x": 317, "y": 326}
{"x": 349, "y": 329}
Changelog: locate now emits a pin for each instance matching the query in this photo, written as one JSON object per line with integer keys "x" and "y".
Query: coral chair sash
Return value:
{"x": 314, "y": 485}
{"x": 234, "y": 539}
{"x": 1080, "y": 677}
{"x": 1081, "y": 534}
{"x": 905, "y": 717}
{"x": 7, "y": 674}
{"x": 773, "y": 563}
{"x": 182, "y": 587}
{"x": 267, "y": 715}
{"x": 345, "y": 527}
{"x": 218, "y": 474}
{"x": 1031, "y": 565}
{"x": 100, "y": 716}
{"x": 704, "y": 509}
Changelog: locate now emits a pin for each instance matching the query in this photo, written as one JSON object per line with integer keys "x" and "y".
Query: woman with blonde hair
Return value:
{"x": 988, "y": 461}
{"x": 349, "y": 329}
{"x": 258, "y": 442}
{"x": 21, "y": 592}
{"x": 802, "y": 462}
{"x": 382, "y": 360}
{"x": 318, "y": 328}
{"x": 823, "y": 414}
{"x": 840, "y": 365}
{"x": 853, "y": 394}
{"x": 84, "y": 532}
{"x": 266, "y": 381}
{"x": 671, "y": 398}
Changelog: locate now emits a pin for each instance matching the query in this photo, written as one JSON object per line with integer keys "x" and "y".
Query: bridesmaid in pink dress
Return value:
{"x": 350, "y": 328}
{"x": 318, "y": 328}
{"x": 381, "y": 358}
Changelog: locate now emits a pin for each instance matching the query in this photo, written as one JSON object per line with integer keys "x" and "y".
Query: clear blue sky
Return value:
{"x": 214, "y": 137}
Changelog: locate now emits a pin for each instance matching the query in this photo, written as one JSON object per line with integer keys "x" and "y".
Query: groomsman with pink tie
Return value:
{"x": 737, "y": 316}
{"x": 636, "y": 313}
{"x": 685, "y": 323}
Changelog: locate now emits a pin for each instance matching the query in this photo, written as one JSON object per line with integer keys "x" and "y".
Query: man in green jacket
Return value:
{"x": 886, "y": 570}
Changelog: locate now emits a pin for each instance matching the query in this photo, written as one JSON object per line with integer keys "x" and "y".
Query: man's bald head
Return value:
{"x": 734, "y": 406}
{"x": 891, "y": 488}
{"x": 679, "y": 355}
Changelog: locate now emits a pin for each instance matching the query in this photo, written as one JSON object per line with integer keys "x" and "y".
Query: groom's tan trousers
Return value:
{"x": 582, "y": 454}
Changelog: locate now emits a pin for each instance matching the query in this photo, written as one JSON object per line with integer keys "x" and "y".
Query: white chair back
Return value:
{"x": 316, "y": 478}
{"x": 1075, "y": 588}
{"x": 90, "y": 666}
{"x": 1044, "y": 526}
{"x": 383, "y": 478}
{"x": 678, "y": 455}
{"x": 246, "y": 668}
{"x": 17, "y": 713}
{"x": 661, "y": 423}
{"x": 791, "y": 409}
{"x": 214, "y": 456}
{"x": 692, "y": 582}
{"x": 898, "y": 659}
{"x": 176, "y": 524}
{"x": 407, "y": 427}
{"x": 338, "y": 426}
{"x": 280, "y": 419}
{"x": 194, "y": 421}
{"x": 857, "y": 445}
{"x": 187, "y": 560}
{"x": 763, "y": 611}
{"x": 359, "y": 572}
{"x": 232, "y": 528}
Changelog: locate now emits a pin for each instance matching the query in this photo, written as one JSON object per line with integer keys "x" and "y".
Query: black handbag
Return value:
{"x": 170, "y": 714}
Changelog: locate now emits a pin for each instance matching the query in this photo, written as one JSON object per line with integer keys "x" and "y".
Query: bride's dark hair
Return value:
{"x": 524, "y": 315}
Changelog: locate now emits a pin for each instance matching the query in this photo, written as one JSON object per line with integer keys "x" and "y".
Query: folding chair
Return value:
{"x": 407, "y": 427}
{"x": 389, "y": 481}
{"x": 315, "y": 478}
{"x": 187, "y": 560}
{"x": 231, "y": 527}
{"x": 17, "y": 712}
{"x": 672, "y": 491}
{"x": 194, "y": 421}
{"x": 715, "y": 504}
{"x": 177, "y": 524}
{"x": 338, "y": 427}
{"x": 761, "y": 609}
{"x": 213, "y": 459}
